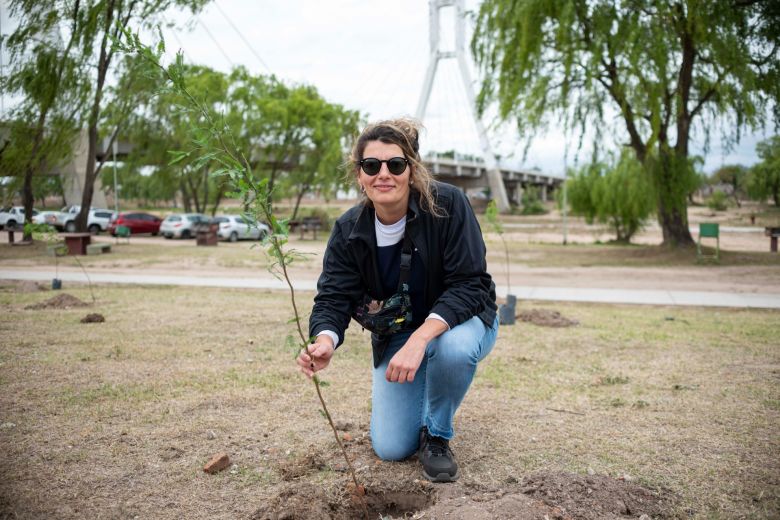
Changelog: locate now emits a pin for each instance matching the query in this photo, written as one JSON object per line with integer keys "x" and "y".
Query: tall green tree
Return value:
{"x": 764, "y": 178}
{"x": 665, "y": 68}
{"x": 616, "y": 193}
{"x": 47, "y": 73}
{"x": 298, "y": 139}
{"x": 102, "y": 23}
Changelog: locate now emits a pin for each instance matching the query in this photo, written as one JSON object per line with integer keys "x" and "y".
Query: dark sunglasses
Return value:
{"x": 395, "y": 165}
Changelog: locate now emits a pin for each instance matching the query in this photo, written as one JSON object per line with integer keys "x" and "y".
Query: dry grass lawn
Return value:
{"x": 116, "y": 419}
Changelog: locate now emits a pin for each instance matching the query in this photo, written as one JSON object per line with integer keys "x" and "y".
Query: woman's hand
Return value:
{"x": 404, "y": 364}
{"x": 318, "y": 356}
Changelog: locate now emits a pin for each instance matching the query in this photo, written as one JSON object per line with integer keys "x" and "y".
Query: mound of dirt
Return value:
{"x": 546, "y": 318}
{"x": 595, "y": 496}
{"x": 61, "y": 301}
{"x": 558, "y": 496}
{"x": 93, "y": 317}
{"x": 297, "y": 467}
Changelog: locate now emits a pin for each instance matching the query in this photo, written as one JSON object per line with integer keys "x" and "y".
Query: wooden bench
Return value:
{"x": 77, "y": 242}
{"x": 98, "y": 248}
{"x": 312, "y": 224}
{"x": 11, "y": 237}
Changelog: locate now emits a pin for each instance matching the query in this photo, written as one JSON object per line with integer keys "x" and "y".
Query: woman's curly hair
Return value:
{"x": 404, "y": 132}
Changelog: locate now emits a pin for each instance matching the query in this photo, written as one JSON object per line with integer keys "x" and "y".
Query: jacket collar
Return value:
{"x": 364, "y": 225}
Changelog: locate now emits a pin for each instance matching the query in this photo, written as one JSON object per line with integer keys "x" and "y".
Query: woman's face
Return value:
{"x": 388, "y": 192}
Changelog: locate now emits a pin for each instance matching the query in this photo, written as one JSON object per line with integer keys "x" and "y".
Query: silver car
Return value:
{"x": 183, "y": 225}
{"x": 235, "y": 227}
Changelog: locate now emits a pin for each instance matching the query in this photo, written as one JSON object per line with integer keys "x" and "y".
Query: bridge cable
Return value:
{"x": 241, "y": 35}
{"x": 181, "y": 46}
{"x": 224, "y": 54}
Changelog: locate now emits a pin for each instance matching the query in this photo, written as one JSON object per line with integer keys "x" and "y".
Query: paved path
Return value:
{"x": 632, "y": 296}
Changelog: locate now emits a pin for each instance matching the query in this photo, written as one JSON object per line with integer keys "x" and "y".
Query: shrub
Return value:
{"x": 531, "y": 203}
{"x": 718, "y": 201}
{"x": 618, "y": 194}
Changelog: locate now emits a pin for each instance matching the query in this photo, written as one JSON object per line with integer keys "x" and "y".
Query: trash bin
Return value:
{"x": 206, "y": 234}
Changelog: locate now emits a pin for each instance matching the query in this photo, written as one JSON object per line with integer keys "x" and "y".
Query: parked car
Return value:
{"x": 46, "y": 217}
{"x": 234, "y": 227}
{"x": 182, "y": 225}
{"x": 137, "y": 223}
{"x": 13, "y": 217}
{"x": 98, "y": 219}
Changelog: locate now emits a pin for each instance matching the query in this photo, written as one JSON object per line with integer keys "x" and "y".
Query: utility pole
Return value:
{"x": 497, "y": 188}
{"x": 565, "y": 202}
{"x": 113, "y": 162}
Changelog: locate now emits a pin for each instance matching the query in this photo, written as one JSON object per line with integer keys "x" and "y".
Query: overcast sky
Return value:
{"x": 370, "y": 56}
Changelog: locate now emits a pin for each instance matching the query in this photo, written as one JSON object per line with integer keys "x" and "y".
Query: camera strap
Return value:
{"x": 406, "y": 263}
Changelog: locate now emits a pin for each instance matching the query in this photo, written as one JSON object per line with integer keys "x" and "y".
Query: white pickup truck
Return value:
{"x": 12, "y": 217}
{"x": 97, "y": 221}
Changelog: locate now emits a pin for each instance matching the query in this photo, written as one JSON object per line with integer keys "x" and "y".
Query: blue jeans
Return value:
{"x": 398, "y": 410}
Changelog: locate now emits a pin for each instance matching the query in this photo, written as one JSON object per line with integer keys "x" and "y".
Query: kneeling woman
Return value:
{"x": 408, "y": 263}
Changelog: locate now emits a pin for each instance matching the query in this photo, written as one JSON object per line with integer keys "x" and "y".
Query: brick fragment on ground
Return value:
{"x": 218, "y": 462}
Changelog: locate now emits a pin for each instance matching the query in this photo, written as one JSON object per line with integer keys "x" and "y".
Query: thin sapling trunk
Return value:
{"x": 214, "y": 143}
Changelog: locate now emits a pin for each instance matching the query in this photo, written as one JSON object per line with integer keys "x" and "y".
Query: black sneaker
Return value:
{"x": 437, "y": 459}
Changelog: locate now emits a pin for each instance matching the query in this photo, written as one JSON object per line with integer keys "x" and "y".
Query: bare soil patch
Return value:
{"x": 596, "y": 496}
{"x": 306, "y": 502}
{"x": 93, "y": 317}
{"x": 61, "y": 301}
{"x": 120, "y": 425}
{"x": 551, "y": 495}
{"x": 546, "y": 318}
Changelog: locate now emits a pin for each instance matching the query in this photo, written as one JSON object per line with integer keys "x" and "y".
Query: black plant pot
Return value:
{"x": 506, "y": 311}
{"x": 56, "y": 284}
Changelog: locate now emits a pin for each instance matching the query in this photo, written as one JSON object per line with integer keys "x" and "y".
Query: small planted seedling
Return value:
{"x": 213, "y": 141}
{"x": 506, "y": 312}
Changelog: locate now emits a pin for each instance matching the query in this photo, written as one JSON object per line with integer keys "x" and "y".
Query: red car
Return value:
{"x": 136, "y": 223}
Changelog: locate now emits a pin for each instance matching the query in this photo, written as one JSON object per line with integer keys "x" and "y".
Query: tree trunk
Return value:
{"x": 205, "y": 189}
{"x": 94, "y": 118}
{"x": 28, "y": 199}
{"x": 304, "y": 188}
{"x": 221, "y": 187}
{"x": 185, "y": 196}
{"x": 88, "y": 189}
{"x": 194, "y": 194}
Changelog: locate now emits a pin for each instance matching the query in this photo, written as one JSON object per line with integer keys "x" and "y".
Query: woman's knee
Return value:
{"x": 455, "y": 350}
{"x": 393, "y": 448}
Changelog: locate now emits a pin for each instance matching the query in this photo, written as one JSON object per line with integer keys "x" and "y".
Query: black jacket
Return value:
{"x": 452, "y": 250}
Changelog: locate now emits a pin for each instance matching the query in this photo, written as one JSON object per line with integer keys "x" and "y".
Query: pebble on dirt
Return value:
{"x": 218, "y": 462}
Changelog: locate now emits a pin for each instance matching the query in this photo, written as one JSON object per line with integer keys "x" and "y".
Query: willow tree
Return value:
{"x": 651, "y": 73}
{"x": 46, "y": 74}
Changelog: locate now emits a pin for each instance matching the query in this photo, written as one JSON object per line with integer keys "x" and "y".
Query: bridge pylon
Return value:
{"x": 496, "y": 183}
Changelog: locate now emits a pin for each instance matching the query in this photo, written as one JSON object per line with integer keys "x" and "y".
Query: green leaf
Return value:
{"x": 178, "y": 156}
